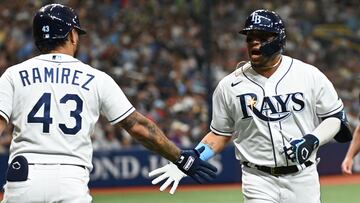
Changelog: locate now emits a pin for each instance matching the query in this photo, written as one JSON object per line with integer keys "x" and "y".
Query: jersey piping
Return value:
{"x": 7, "y": 117}
{"x": 57, "y": 61}
{"x": 242, "y": 68}
{"x": 276, "y": 92}
{"x": 122, "y": 115}
{"x": 325, "y": 114}
{"x": 276, "y": 87}
{"x": 219, "y": 131}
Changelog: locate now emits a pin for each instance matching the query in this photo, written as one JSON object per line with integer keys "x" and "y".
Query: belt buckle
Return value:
{"x": 273, "y": 171}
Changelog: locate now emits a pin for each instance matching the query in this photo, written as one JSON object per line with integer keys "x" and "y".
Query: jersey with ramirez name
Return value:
{"x": 264, "y": 113}
{"x": 54, "y": 101}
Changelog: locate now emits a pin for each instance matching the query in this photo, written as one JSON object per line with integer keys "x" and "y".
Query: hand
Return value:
{"x": 346, "y": 166}
{"x": 300, "y": 150}
{"x": 190, "y": 163}
{"x": 169, "y": 171}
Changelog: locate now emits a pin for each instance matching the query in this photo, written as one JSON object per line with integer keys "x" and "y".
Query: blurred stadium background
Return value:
{"x": 168, "y": 55}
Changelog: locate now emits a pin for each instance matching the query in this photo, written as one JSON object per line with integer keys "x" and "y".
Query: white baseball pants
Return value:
{"x": 50, "y": 184}
{"x": 300, "y": 187}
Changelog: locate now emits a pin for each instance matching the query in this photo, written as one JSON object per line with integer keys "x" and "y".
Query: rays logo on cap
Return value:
{"x": 261, "y": 20}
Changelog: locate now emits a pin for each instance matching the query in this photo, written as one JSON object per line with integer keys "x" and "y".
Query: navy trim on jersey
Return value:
{"x": 283, "y": 141}
{"x": 122, "y": 115}
{"x": 292, "y": 60}
{"x": 242, "y": 69}
{"x": 282, "y": 138}
{"x": 271, "y": 136}
{"x": 220, "y": 130}
{"x": 276, "y": 92}
{"x": 5, "y": 115}
{"x": 272, "y": 142}
{"x": 58, "y": 61}
{"x": 325, "y": 114}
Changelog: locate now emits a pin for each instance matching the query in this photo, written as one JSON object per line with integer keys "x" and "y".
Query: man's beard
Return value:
{"x": 264, "y": 63}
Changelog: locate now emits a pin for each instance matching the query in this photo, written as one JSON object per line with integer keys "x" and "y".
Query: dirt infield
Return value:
{"x": 324, "y": 180}
{"x": 340, "y": 179}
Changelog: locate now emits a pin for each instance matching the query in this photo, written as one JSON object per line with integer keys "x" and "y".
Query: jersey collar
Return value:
{"x": 57, "y": 57}
{"x": 277, "y": 75}
{"x": 282, "y": 69}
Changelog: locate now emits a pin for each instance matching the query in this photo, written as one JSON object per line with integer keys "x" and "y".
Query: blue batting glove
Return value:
{"x": 190, "y": 163}
{"x": 300, "y": 150}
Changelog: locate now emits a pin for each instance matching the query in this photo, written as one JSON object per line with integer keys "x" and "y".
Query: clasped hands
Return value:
{"x": 188, "y": 164}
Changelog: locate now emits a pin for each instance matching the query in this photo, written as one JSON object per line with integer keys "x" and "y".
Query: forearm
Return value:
{"x": 327, "y": 129}
{"x": 148, "y": 134}
{"x": 213, "y": 144}
{"x": 355, "y": 144}
{"x": 3, "y": 124}
{"x": 216, "y": 142}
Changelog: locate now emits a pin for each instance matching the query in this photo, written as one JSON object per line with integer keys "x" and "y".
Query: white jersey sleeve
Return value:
{"x": 327, "y": 100}
{"x": 114, "y": 104}
{"x": 6, "y": 93}
{"x": 221, "y": 123}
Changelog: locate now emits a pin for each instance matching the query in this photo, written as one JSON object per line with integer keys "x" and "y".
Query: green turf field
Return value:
{"x": 329, "y": 194}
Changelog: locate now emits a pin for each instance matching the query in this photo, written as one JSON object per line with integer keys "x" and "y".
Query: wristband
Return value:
{"x": 207, "y": 153}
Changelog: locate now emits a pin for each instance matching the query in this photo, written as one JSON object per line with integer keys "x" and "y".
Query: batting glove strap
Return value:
{"x": 190, "y": 163}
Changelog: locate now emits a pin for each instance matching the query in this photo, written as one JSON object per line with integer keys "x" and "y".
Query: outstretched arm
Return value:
{"x": 353, "y": 150}
{"x": 210, "y": 145}
{"x": 147, "y": 133}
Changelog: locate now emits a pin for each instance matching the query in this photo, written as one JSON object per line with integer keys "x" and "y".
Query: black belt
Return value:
{"x": 82, "y": 166}
{"x": 276, "y": 171}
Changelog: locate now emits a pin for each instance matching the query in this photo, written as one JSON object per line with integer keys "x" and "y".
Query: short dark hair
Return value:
{"x": 46, "y": 46}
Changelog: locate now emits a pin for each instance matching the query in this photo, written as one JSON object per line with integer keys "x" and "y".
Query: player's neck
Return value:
{"x": 270, "y": 69}
{"x": 66, "y": 49}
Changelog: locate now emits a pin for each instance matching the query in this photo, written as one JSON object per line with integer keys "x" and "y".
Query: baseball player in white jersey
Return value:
{"x": 54, "y": 100}
{"x": 278, "y": 110}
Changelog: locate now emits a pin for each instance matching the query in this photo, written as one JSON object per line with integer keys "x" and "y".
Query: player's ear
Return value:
{"x": 73, "y": 37}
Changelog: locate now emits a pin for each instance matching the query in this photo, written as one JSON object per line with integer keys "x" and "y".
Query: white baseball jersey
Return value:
{"x": 54, "y": 101}
{"x": 264, "y": 113}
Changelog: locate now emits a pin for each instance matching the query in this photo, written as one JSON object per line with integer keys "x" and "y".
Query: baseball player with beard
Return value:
{"x": 54, "y": 100}
{"x": 279, "y": 110}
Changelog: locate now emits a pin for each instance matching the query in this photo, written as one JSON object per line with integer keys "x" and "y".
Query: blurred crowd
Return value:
{"x": 154, "y": 50}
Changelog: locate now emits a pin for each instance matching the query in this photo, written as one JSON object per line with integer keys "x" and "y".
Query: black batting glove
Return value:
{"x": 300, "y": 150}
{"x": 190, "y": 163}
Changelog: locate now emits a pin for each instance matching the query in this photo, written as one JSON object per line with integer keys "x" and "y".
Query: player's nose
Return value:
{"x": 253, "y": 40}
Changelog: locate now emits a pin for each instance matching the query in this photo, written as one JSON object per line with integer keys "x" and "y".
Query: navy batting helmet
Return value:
{"x": 55, "y": 21}
{"x": 267, "y": 21}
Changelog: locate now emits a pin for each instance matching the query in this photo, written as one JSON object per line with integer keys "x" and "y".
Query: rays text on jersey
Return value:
{"x": 273, "y": 108}
{"x": 58, "y": 75}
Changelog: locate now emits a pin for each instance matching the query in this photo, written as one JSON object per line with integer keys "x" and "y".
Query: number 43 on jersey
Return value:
{"x": 46, "y": 119}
